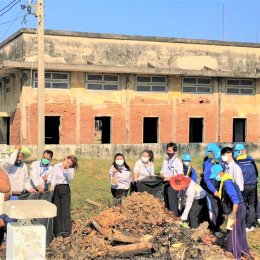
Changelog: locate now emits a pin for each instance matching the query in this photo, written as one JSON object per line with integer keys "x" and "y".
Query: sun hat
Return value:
{"x": 180, "y": 182}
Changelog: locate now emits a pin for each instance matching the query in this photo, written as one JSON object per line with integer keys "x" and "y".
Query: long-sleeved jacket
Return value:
{"x": 18, "y": 174}
{"x": 190, "y": 172}
{"x": 249, "y": 170}
{"x": 37, "y": 171}
{"x": 211, "y": 184}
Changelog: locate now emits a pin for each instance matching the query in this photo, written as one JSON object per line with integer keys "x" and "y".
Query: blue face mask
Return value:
{"x": 237, "y": 153}
{"x": 218, "y": 178}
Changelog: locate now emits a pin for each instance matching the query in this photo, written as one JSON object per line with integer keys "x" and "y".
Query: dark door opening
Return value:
{"x": 7, "y": 119}
{"x": 103, "y": 130}
{"x": 150, "y": 130}
{"x": 196, "y": 130}
{"x": 239, "y": 130}
{"x": 52, "y": 130}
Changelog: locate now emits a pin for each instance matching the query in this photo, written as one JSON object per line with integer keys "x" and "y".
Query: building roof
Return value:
{"x": 129, "y": 37}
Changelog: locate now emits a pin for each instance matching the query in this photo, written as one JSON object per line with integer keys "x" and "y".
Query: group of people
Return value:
{"x": 227, "y": 192}
{"x": 42, "y": 178}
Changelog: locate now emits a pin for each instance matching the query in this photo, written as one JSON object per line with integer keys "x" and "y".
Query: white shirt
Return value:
{"x": 235, "y": 171}
{"x": 193, "y": 192}
{"x": 37, "y": 171}
{"x": 61, "y": 176}
{"x": 172, "y": 167}
{"x": 124, "y": 178}
{"x": 18, "y": 175}
{"x": 143, "y": 169}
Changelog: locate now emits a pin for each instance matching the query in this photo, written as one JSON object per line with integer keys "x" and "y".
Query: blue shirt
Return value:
{"x": 211, "y": 184}
{"x": 233, "y": 192}
{"x": 249, "y": 170}
{"x": 191, "y": 174}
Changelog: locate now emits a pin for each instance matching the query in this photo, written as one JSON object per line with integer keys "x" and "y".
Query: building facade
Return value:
{"x": 121, "y": 89}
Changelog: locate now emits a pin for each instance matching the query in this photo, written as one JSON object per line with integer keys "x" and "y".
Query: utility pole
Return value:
{"x": 41, "y": 79}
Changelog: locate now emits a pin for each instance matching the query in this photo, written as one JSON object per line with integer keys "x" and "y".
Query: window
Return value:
{"x": 196, "y": 85}
{"x": 7, "y": 85}
{"x": 150, "y": 130}
{"x": 59, "y": 80}
{"x": 240, "y": 86}
{"x": 196, "y": 130}
{"x": 102, "y": 130}
{"x": 151, "y": 83}
{"x": 102, "y": 82}
{"x": 239, "y": 130}
{"x": 52, "y": 130}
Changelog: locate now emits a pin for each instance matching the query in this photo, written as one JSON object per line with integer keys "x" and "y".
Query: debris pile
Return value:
{"x": 141, "y": 226}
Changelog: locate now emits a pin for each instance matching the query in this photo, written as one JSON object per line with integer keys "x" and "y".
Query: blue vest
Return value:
{"x": 249, "y": 170}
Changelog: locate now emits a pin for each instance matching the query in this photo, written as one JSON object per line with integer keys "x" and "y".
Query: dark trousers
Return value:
{"x": 236, "y": 238}
{"x": 196, "y": 212}
{"x": 250, "y": 197}
{"x": 171, "y": 200}
{"x": 119, "y": 194}
{"x": 213, "y": 204}
{"x": 62, "y": 200}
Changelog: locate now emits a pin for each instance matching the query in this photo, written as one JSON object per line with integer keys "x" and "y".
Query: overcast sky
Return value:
{"x": 229, "y": 20}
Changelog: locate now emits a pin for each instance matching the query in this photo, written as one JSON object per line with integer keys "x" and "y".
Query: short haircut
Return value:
{"x": 226, "y": 150}
{"x": 49, "y": 152}
{"x": 173, "y": 145}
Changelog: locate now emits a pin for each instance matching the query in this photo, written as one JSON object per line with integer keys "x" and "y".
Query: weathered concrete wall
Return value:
{"x": 133, "y": 150}
{"x": 78, "y": 106}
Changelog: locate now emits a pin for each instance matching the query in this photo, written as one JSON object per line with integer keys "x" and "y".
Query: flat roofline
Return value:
{"x": 129, "y": 37}
{"x": 11, "y": 66}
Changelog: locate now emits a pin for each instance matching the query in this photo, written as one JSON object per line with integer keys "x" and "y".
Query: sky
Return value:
{"x": 228, "y": 20}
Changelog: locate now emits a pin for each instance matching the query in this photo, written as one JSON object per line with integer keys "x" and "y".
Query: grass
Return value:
{"x": 92, "y": 180}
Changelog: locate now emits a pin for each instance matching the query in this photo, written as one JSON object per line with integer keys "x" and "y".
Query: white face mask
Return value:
{"x": 120, "y": 162}
{"x": 145, "y": 159}
{"x": 186, "y": 163}
{"x": 224, "y": 158}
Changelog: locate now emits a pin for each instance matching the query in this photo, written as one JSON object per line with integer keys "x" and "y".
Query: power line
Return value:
{"x": 9, "y": 27}
{"x": 12, "y": 20}
{"x": 10, "y": 7}
{"x": 7, "y": 6}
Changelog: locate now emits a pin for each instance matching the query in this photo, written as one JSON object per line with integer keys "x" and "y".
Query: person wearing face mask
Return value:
{"x": 213, "y": 154}
{"x": 63, "y": 173}
{"x": 231, "y": 167}
{"x": 17, "y": 173}
{"x": 250, "y": 174}
{"x": 235, "y": 210}
{"x": 120, "y": 177}
{"x": 172, "y": 166}
{"x": 187, "y": 168}
{"x": 41, "y": 172}
{"x": 144, "y": 167}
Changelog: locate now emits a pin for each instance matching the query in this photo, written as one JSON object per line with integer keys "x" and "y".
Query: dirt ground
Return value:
{"x": 141, "y": 220}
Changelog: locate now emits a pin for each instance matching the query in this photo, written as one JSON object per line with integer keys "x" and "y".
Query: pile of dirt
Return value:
{"x": 140, "y": 226}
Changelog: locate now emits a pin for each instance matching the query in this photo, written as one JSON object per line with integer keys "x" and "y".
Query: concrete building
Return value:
{"x": 118, "y": 89}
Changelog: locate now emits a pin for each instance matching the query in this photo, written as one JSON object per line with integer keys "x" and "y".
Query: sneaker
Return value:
{"x": 250, "y": 229}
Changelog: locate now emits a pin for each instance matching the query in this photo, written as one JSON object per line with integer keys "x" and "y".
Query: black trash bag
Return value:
{"x": 153, "y": 185}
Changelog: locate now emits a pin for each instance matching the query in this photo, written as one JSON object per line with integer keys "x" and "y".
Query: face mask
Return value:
{"x": 237, "y": 153}
{"x": 218, "y": 178}
{"x": 120, "y": 162}
{"x": 145, "y": 159}
{"x": 45, "y": 161}
{"x": 224, "y": 158}
{"x": 170, "y": 155}
{"x": 186, "y": 163}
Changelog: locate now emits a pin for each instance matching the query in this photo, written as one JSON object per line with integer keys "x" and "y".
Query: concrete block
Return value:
{"x": 25, "y": 241}
{"x": 29, "y": 209}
